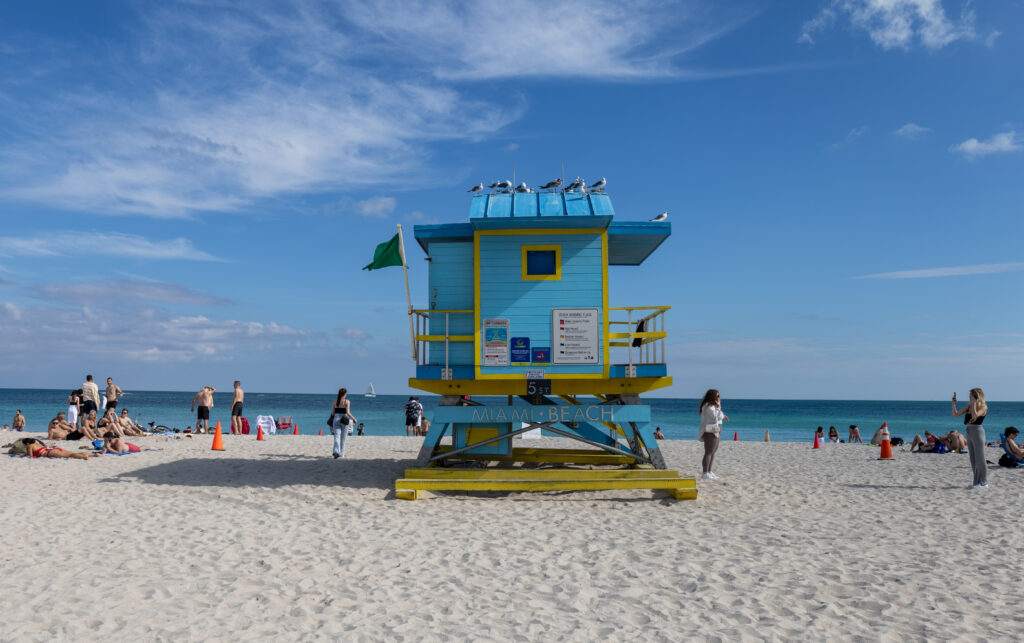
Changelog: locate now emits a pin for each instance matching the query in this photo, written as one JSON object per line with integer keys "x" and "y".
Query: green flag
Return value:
{"x": 386, "y": 254}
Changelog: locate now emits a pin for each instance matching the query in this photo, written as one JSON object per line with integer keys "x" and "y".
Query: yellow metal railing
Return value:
{"x": 644, "y": 323}
{"x": 422, "y": 318}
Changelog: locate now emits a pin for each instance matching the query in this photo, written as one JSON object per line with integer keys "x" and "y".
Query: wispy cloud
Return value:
{"x": 852, "y": 137}
{"x": 972, "y": 148}
{"x": 113, "y": 244}
{"x": 912, "y": 131}
{"x": 122, "y": 291}
{"x": 311, "y": 96}
{"x": 896, "y": 24}
{"x": 953, "y": 271}
{"x": 378, "y": 207}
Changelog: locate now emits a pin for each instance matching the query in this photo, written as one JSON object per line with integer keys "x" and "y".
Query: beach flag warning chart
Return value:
{"x": 574, "y": 333}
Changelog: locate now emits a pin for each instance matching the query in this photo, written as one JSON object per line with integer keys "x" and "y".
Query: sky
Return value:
{"x": 188, "y": 190}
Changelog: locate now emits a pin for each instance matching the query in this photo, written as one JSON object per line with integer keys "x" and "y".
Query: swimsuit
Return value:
{"x": 203, "y": 413}
{"x": 236, "y": 409}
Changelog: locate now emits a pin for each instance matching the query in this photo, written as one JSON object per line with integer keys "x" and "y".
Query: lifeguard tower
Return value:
{"x": 519, "y": 308}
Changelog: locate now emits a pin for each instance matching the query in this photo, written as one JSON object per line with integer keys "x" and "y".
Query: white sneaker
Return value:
{"x": 979, "y": 486}
{"x": 712, "y": 475}
{"x": 705, "y": 476}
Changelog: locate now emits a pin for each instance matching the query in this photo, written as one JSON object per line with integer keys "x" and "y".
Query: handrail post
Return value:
{"x": 629, "y": 342}
{"x": 446, "y": 347}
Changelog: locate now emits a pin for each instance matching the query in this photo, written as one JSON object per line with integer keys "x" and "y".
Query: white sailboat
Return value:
{"x": 370, "y": 392}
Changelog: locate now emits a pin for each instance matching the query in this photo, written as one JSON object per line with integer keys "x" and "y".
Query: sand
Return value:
{"x": 276, "y": 540}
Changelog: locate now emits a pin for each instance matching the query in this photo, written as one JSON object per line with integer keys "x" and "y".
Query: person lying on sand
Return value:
{"x": 36, "y": 449}
{"x": 926, "y": 445}
{"x": 114, "y": 444}
{"x": 59, "y": 429}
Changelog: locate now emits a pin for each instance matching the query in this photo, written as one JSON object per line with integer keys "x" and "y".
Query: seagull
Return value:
{"x": 661, "y": 217}
{"x": 494, "y": 185}
{"x": 522, "y": 187}
{"x": 599, "y": 185}
{"x": 551, "y": 184}
{"x": 575, "y": 184}
{"x": 503, "y": 185}
{"x": 477, "y": 187}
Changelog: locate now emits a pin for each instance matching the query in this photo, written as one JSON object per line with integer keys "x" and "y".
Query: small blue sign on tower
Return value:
{"x": 520, "y": 347}
{"x": 542, "y": 356}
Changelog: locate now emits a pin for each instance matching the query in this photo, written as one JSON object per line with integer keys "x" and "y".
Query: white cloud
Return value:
{"x": 896, "y": 24}
{"x": 511, "y": 147}
{"x": 953, "y": 271}
{"x": 972, "y": 148}
{"x": 852, "y": 136}
{"x": 112, "y": 244}
{"x": 124, "y": 291}
{"x": 314, "y": 96}
{"x": 912, "y": 131}
{"x": 378, "y": 207}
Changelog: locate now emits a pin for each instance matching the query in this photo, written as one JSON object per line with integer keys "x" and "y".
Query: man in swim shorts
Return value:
{"x": 90, "y": 396}
{"x": 112, "y": 393}
{"x": 205, "y": 399}
{"x": 236, "y": 409}
{"x": 18, "y": 424}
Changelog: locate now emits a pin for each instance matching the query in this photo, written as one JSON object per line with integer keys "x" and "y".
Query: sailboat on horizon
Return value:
{"x": 370, "y": 392}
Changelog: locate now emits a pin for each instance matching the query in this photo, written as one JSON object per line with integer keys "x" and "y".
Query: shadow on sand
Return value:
{"x": 272, "y": 471}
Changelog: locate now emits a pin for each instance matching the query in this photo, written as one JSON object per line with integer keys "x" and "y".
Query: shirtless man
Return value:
{"x": 236, "y": 409}
{"x": 58, "y": 429}
{"x": 205, "y": 399}
{"x": 128, "y": 426}
{"x": 109, "y": 422}
{"x": 19, "y": 421}
{"x": 113, "y": 392}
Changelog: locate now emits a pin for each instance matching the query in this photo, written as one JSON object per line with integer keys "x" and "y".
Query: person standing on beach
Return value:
{"x": 18, "y": 423}
{"x": 205, "y": 399}
{"x": 974, "y": 414}
{"x": 341, "y": 420}
{"x": 854, "y": 435}
{"x": 711, "y": 417}
{"x": 90, "y": 396}
{"x": 236, "y": 409}
{"x": 113, "y": 392}
{"x": 413, "y": 409}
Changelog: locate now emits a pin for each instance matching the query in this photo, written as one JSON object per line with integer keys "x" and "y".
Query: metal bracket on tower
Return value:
{"x": 446, "y": 373}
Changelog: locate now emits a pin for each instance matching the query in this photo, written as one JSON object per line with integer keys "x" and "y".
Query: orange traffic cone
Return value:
{"x": 218, "y": 440}
{"x": 259, "y": 433}
{"x": 321, "y": 432}
{"x": 296, "y": 431}
{"x": 736, "y": 436}
{"x": 886, "y": 453}
{"x": 817, "y": 444}
{"x": 767, "y": 437}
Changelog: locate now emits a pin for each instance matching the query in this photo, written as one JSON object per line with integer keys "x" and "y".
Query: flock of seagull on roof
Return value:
{"x": 505, "y": 187}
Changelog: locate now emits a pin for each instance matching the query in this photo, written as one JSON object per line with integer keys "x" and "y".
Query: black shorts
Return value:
{"x": 236, "y": 410}
{"x": 111, "y": 405}
{"x": 203, "y": 413}
{"x": 87, "y": 407}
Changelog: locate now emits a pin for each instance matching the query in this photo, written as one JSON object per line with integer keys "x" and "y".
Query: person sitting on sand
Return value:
{"x": 876, "y": 439}
{"x": 128, "y": 426}
{"x": 854, "y": 435}
{"x": 833, "y": 435}
{"x": 955, "y": 441}
{"x": 1009, "y": 435}
{"x": 658, "y": 435}
{"x": 820, "y": 434}
{"x": 109, "y": 422}
{"x": 59, "y": 429}
{"x": 924, "y": 445}
{"x": 113, "y": 444}
{"x": 36, "y": 449}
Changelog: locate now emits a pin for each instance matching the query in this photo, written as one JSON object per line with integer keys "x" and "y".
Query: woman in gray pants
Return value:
{"x": 974, "y": 414}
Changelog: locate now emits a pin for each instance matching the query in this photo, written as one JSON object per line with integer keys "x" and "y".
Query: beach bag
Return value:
{"x": 940, "y": 448}
{"x": 1006, "y": 461}
{"x": 897, "y": 442}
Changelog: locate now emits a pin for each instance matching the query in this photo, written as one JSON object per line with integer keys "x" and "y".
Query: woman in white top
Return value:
{"x": 711, "y": 417}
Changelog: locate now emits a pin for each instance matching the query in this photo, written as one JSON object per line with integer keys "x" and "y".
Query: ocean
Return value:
{"x": 787, "y": 420}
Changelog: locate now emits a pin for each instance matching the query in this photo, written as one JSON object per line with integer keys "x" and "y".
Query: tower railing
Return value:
{"x": 423, "y": 336}
{"x": 643, "y": 323}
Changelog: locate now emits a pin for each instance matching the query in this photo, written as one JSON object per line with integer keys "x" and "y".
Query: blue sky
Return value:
{"x": 188, "y": 190}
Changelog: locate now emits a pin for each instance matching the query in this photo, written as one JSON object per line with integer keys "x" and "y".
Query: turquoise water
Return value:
{"x": 788, "y": 420}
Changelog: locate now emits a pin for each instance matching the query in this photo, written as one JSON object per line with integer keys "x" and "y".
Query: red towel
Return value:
{"x": 245, "y": 426}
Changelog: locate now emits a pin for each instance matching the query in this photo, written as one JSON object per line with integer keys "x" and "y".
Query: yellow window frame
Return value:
{"x": 558, "y": 263}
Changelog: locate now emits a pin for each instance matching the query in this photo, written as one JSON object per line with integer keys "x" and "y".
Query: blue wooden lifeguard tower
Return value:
{"x": 519, "y": 308}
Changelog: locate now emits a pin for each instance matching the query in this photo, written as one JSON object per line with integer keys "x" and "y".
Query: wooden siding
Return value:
{"x": 527, "y": 304}
{"x": 451, "y": 288}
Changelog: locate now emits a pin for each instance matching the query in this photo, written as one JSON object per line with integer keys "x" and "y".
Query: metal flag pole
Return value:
{"x": 408, "y": 297}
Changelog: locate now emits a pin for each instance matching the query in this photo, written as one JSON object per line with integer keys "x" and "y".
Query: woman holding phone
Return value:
{"x": 974, "y": 414}
{"x": 711, "y": 417}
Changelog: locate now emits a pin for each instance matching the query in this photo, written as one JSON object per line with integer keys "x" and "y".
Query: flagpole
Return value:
{"x": 408, "y": 297}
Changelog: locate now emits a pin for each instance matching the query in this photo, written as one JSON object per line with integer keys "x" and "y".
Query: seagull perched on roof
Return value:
{"x": 551, "y": 184}
{"x": 599, "y": 185}
{"x": 522, "y": 187}
{"x": 504, "y": 185}
{"x": 661, "y": 217}
{"x": 477, "y": 187}
{"x": 578, "y": 183}
{"x": 494, "y": 185}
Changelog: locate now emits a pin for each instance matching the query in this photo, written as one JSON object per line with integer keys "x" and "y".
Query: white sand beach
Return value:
{"x": 275, "y": 539}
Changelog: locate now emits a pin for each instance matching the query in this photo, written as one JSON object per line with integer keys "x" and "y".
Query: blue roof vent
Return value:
{"x": 540, "y": 204}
